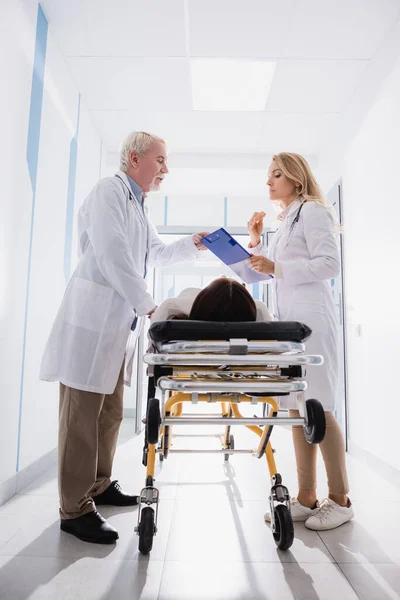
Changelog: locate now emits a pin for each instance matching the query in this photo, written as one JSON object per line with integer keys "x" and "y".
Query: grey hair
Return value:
{"x": 136, "y": 141}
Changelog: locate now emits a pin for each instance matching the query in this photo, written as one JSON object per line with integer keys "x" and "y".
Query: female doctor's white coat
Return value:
{"x": 90, "y": 334}
{"x": 306, "y": 258}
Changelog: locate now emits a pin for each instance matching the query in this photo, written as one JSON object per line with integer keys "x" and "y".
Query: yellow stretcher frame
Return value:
{"x": 174, "y": 407}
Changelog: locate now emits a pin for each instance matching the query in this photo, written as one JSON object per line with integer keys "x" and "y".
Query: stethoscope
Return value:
{"x": 296, "y": 218}
{"x": 139, "y": 205}
{"x": 293, "y": 224}
{"x": 136, "y": 203}
{"x": 281, "y": 232}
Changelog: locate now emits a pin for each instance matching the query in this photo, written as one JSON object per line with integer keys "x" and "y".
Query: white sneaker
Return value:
{"x": 329, "y": 516}
{"x": 299, "y": 512}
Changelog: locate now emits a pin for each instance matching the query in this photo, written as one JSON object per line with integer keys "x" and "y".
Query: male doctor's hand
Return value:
{"x": 196, "y": 237}
{"x": 153, "y": 310}
{"x": 262, "y": 265}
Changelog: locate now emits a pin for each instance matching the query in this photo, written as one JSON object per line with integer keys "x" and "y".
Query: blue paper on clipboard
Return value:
{"x": 230, "y": 252}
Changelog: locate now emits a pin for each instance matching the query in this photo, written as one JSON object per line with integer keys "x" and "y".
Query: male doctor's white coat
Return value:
{"x": 306, "y": 258}
{"x": 90, "y": 334}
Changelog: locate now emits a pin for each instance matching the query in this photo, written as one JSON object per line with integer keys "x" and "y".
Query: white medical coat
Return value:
{"x": 89, "y": 338}
{"x": 306, "y": 258}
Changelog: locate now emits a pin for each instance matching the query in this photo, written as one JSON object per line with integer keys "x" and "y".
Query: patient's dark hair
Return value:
{"x": 223, "y": 300}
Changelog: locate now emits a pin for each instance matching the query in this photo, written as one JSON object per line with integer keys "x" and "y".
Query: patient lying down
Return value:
{"x": 223, "y": 299}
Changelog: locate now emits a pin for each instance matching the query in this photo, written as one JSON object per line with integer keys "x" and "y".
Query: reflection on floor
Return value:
{"x": 212, "y": 543}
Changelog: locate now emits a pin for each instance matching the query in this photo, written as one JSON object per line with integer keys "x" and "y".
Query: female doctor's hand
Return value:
{"x": 262, "y": 265}
{"x": 255, "y": 227}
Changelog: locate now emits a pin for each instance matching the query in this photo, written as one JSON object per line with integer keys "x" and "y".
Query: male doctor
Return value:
{"x": 91, "y": 342}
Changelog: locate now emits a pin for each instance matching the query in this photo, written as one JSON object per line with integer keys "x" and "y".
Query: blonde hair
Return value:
{"x": 297, "y": 169}
{"x": 136, "y": 141}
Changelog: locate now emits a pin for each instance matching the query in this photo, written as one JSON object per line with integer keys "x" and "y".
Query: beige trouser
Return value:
{"x": 88, "y": 431}
{"x": 333, "y": 453}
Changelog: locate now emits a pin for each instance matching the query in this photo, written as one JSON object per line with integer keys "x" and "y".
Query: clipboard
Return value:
{"x": 230, "y": 252}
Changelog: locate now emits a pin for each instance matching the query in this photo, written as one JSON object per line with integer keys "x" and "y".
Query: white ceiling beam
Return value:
{"x": 197, "y": 160}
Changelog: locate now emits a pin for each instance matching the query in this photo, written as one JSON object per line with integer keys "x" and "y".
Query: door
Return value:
{"x": 335, "y": 199}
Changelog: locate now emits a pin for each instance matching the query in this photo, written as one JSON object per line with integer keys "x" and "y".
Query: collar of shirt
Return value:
{"x": 136, "y": 189}
{"x": 289, "y": 209}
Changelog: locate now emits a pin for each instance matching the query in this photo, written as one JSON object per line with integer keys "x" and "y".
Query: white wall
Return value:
{"x": 371, "y": 199}
{"x": 33, "y": 228}
{"x": 332, "y": 153}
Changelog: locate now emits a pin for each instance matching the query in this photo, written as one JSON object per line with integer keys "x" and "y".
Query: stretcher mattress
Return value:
{"x": 176, "y": 330}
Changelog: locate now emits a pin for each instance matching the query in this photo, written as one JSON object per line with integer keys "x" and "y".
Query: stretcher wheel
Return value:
{"x": 284, "y": 530}
{"x": 231, "y": 445}
{"x": 153, "y": 421}
{"x": 315, "y": 430}
{"x": 146, "y": 530}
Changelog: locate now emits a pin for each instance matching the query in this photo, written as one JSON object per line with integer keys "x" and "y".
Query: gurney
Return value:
{"x": 229, "y": 364}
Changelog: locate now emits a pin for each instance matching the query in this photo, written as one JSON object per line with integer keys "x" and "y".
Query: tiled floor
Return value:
{"x": 212, "y": 543}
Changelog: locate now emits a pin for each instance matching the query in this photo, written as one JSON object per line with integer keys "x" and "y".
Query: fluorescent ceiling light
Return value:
{"x": 231, "y": 84}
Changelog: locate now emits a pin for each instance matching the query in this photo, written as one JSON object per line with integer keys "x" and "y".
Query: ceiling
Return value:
{"x": 131, "y": 62}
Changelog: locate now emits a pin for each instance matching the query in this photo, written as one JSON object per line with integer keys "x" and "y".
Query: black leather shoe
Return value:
{"x": 90, "y": 528}
{"x": 114, "y": 496}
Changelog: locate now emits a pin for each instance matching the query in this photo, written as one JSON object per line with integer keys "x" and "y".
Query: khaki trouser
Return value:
{"x": 333, "y": 453}
{"x": 88, "y": 431}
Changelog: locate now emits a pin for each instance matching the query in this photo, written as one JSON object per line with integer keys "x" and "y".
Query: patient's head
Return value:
{"x": 223, "y": 300}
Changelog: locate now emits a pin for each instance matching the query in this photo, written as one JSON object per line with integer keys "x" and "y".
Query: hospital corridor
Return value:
{"x": 199, "y": 242}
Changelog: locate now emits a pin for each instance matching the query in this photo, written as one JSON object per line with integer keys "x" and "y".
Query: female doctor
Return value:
{"x": 303, "y": 257}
